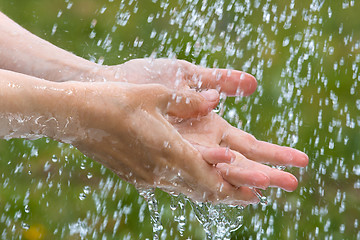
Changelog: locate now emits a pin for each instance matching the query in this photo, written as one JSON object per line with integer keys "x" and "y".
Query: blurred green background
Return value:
{"x": 305, "y": 55}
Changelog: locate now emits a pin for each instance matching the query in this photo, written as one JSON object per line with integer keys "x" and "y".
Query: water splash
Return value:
{"x": 178, "y": 203}
{"x": 305, "y": 55}
{"x": 149, "y": 196}
{"x": 263, "y": 200}
{"x": 218, "y": 220}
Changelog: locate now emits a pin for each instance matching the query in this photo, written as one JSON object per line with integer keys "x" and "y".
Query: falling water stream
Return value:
{"x": 305, "y": 55}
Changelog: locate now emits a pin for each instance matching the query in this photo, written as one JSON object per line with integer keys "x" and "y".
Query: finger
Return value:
{"x": 278, "y": 178}
{"x": 188, "y": 104}
{"x": 284, "y": 180}
{"x": 217, "y": 190}
{"x": 241, "y": 196}
{"x": 238, "y": 176}
{"x": 231, "y": 82}
{"x": 263, "y": 152}
{"x": 214, "y": 155}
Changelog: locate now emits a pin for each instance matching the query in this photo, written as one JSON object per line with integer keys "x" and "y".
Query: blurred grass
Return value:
{"x": 324, "y": 206}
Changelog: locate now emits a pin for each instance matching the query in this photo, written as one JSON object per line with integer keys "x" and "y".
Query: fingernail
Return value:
{"x": 210, "y": 95}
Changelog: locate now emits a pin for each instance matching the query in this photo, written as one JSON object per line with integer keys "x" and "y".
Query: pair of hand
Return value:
{"x": 149, "y": 126}
{"x": 146, "y": 123}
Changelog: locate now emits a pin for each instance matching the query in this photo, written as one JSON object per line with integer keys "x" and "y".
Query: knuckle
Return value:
{"x": 250, "y": 138}
{"x": 252, "y": 142}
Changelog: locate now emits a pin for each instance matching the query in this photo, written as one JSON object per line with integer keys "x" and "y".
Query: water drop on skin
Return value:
{"x": 221, "y": 187}
{"x": 178, "y": 99}
{"x": 166, "y": 144}
{"x": 228, "y": 73}
{"x": 242, "y": 76}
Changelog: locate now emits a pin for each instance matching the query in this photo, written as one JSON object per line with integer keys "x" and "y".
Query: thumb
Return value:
{"x": 189, "y": 104}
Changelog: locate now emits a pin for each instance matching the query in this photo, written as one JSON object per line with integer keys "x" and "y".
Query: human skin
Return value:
{"x": 213, "y": 137}
{"x": 211, "y": 134}
{"x": 110, "y": 123}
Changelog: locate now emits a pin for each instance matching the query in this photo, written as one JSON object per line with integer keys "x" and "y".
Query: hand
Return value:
{"x": 243, "y": 167}
{"x": 218, "y": 142}
{"x": 211, "y": 134}
{"x": 55, "y": 64}
{"x": 123, "y": 127}
{"x": 179, "y": 74}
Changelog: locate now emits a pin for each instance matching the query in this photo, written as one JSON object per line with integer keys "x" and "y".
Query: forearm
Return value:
{"x": 23, "y": 52}
{"x": 32, "y": 108}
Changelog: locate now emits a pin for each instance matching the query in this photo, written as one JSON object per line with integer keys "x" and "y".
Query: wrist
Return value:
{"x": 59, "y": 116}
{"x": 102, "y": 73}
{"x": 86, "y": 71}
{"x": 73, "y": 69}
{"x": 32, "y": 108}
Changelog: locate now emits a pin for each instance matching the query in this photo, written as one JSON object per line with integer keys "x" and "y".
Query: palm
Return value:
{"x": 213, "y": 132}
{"x": 176, "y": 74}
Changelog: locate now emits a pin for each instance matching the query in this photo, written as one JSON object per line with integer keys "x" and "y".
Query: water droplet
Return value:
{"x": 27, "y": 209}
{"x": 69, "y": 5}
{"x": 166, "y": 144}
{"x": 87, "y": 190}
{"x": 25, "y": 226}
{"x": 53, "y": 31}
{"x": 54, "y": 158}
{"x": 150, "y": 18}
{"x": 82, "y": 196}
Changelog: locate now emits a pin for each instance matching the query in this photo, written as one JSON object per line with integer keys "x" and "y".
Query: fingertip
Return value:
{"x": 211, "y": 95}
{"x": 212, "y": 98}
{"x": 289, "y": 157}
{"x": 305, "y": 160}
{"x": 300, "y": 159}
{"x": 244, "y": 84}
{"x": 290, "y": 184}
{"x": 248, "y": 83}
{"x": 191, "y": 104}
{"x": 230, "y": 82}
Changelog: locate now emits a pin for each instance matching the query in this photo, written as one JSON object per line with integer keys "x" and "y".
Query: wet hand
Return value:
{"x": 124, "y": 127}
{"x": 238, "y": 156}
{"x": 180, "y": 74}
